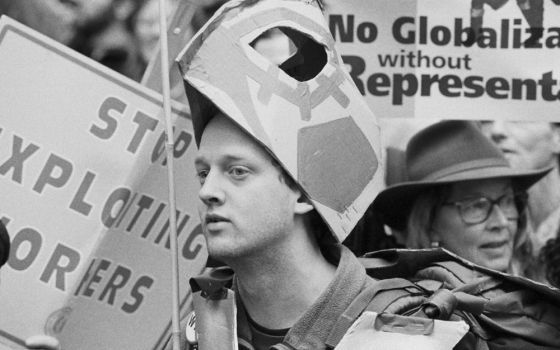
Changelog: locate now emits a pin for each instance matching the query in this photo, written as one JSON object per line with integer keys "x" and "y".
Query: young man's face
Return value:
{"x": 245, "y": 206}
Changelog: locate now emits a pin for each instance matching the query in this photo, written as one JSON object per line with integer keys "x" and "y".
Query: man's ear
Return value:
{"x": 303, "y": 205}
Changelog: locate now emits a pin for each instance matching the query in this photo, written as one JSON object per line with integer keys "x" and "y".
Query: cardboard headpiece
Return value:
{"x": 303, "y": 107}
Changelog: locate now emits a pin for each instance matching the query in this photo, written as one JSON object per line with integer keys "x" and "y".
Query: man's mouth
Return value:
{"x": 214, "y": 218}
{"x": 507, "y": 150}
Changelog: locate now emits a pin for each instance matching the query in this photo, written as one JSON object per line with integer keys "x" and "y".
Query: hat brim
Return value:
{"x": 395, "y": 202}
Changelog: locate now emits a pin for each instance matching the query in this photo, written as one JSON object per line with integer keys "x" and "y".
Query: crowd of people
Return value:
{"x": 406, "y": 214}
{"x": 462, "y": 194}
{"x": 488, "y": 191}
{"x": 120, "y": 34}
{"x": 263, "y": 219}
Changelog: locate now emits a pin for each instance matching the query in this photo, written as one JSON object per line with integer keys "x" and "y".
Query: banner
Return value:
{"x": 84, "y": 197}
{"x": 455, "y": 59}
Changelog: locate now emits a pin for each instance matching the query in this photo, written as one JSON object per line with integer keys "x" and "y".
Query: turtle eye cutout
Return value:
{"x": 297, "y": 54}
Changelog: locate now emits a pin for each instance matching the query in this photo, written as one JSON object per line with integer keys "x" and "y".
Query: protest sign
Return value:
{"x": 423, "y": 59}
{"x": 82, "y": 173}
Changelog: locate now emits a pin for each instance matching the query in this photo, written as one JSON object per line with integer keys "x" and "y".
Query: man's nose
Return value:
{"x": 211, "y": 192}
{"x": 498, "y": 131}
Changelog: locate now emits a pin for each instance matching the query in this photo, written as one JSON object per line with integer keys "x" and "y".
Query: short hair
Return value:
{"x": 313, "y": 219}
{"x": 284, "y": 176}
{"x": 421, "y": 218}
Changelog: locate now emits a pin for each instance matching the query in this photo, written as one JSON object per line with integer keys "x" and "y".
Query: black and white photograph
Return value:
{"x": 279, "y": 174}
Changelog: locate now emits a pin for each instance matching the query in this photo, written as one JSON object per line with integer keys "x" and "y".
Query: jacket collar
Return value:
{"x": 314, "y": 326}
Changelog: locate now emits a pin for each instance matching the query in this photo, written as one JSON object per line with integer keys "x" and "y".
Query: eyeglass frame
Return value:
{"x": 519, "y": 201}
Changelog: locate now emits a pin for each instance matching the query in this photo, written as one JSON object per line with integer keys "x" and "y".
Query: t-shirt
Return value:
{"x": 264, "y": 338}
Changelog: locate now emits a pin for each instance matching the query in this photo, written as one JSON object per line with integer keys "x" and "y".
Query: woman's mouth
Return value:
{"x": 494, "y": 245}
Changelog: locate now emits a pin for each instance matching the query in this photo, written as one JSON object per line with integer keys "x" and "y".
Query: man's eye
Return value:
{"x": 201, "y": 175}
{"x": 238, "y": 172}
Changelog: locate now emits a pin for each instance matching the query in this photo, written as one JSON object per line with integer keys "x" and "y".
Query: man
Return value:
{"x": 257, "y": 222}
{"x": 529, "y": 145}
{"x": 287, "y": 164}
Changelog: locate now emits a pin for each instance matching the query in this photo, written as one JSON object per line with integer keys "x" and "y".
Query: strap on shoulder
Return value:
{"x": 370, "y": 298}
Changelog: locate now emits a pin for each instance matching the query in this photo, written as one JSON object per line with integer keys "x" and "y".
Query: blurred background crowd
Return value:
{"x": 120, "y": 34}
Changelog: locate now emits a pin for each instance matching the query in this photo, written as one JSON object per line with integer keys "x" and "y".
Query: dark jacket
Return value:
{"x": 315, "y": 325}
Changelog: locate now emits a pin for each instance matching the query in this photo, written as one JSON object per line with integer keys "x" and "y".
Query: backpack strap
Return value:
{"x": 375, "y": 297}
{"x": 404, "y": 297}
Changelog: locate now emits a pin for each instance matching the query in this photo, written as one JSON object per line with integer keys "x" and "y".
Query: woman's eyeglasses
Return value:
{"x": 477, "y": 210}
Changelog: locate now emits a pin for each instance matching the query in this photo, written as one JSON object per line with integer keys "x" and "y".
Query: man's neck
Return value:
{"x": 278, "y": 286}
{"x": 544, "y": 197}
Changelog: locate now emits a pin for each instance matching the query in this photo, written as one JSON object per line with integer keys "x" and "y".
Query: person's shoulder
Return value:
{"x": 447, "y": 287}
{"x": 548, "y": 229}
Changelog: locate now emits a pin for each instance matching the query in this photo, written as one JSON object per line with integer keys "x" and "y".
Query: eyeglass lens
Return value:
{"x": 478, "y": 210}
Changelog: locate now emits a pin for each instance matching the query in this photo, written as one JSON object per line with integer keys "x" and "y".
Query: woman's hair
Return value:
{"x": 422, "y": 215}
{"x": 523, "y": 262}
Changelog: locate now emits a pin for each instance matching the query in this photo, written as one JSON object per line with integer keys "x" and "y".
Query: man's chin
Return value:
{"x": 517, "y": 162}
{"x": 222, "y": 254}
{"x": 511, "y": 158}
{"x": 214, "y": 262}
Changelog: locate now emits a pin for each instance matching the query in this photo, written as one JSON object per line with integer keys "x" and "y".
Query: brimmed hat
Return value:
{"x": 443, "y": 153}
{"x": 306, "y": 112}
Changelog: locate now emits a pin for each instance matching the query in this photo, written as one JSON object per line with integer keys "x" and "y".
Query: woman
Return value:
{"x": 461, "y": 194}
